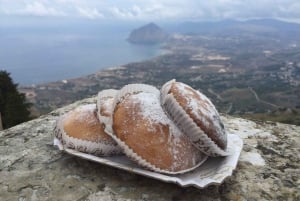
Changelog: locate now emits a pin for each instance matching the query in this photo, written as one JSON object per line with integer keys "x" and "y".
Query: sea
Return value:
{"x": 43, "y": 50}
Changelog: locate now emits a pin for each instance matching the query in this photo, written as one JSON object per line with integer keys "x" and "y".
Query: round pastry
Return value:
{"x": 196, "y": 116}
{"x": 81, "y": 130}
{"x": 105, "y": 101}
{"x": 148, "y": 136}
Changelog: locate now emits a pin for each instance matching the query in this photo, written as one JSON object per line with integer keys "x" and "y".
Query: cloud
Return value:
{"x": 121, "y": 13}
{"x": 38, "y": 9}
{"x": 91, "y": 13}
{"x": 155, "y": 9}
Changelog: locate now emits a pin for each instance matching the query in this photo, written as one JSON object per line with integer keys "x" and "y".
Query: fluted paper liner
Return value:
{"x": 212, "y": 172}
{"x": 137, "y": 88}
{"x": 187, "y": 125}
{"x": 103, "y": 148}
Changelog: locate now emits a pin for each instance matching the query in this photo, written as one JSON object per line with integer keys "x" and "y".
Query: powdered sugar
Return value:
{"x": 203, "y": 109}
{"x": 105, "y": 106}
{"x": 84, "y": 112}
{"x": 150, "y": 108}
{"x": 90, "y": 107}
{"x": 105, "y": 102}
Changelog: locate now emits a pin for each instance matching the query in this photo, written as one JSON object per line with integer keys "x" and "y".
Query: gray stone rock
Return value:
{"x": 31, "y": 168}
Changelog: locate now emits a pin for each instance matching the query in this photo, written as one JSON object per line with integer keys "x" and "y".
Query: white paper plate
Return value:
{"x": 212, "y": 171}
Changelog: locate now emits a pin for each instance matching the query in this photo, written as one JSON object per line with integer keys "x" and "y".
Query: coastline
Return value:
{"x": 35, "y": 59}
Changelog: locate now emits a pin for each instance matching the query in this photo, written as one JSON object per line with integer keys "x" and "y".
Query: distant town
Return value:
{"x": 249, "y": 69}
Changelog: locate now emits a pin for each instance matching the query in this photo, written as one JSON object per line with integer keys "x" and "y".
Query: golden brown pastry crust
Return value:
{"x": 84, "y": 125}
{"x": 81, "y": 130}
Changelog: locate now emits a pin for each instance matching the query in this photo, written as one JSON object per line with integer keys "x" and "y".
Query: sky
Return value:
{"x": 154, "y": 10}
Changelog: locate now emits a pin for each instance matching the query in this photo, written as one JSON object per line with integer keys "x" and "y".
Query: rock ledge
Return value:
{"x": 31, "y": 168}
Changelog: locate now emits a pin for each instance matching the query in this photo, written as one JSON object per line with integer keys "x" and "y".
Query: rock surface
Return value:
{"x": 31, "y": 168}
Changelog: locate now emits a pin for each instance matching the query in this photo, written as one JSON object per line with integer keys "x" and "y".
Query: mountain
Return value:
{"x": 258, "y": 27}
{"x": 148, "y": 34}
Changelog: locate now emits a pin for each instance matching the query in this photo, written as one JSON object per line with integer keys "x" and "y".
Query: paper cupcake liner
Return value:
{"x": 56, "y": 130}
{"x": 165, "y": 89}
{"x": 103, "y": 148}
{"x": 107, "y": 121}
{"x": 185, "y": 123}
{"x": 132, "y": 89}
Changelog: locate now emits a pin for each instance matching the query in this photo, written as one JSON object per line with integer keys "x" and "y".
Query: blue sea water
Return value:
{"x": 44, "y": 51}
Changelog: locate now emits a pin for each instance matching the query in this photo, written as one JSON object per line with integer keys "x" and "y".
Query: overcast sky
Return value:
{"x": 154, "y": 10}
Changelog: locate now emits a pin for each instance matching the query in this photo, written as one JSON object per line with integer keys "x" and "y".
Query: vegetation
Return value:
{"x": 13, "y": 106}
{"x": 283, "y": 115}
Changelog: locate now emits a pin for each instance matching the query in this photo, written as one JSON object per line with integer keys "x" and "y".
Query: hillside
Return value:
{"x": 250, "y": 75}
{"x": 257, "y": 28}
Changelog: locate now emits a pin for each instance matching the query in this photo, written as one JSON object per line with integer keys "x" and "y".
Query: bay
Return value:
{"x": 39, "y": 52}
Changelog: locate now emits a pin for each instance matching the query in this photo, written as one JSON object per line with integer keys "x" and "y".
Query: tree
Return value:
{"x": 13, "y": 106}
{"x": 1, "y": 127}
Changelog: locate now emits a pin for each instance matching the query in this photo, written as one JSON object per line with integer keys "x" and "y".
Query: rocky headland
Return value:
{"x": 31, "y": 168}
{"x": 148, "y": 34}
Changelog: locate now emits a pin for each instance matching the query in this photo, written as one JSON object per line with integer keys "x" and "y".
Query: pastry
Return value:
{"x": 81, "y": 130}
{"x": 105, "y": 101}
{"x": 147, "y": 135}
{"x": 196, "y": 116}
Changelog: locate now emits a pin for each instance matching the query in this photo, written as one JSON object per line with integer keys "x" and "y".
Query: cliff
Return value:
{"x": 31, "y": 168}
{"x": 148, "y": 34}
